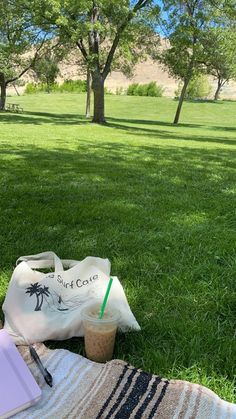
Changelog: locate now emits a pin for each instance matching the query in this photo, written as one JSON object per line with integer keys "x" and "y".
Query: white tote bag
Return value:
{"x": 41, "y": 306}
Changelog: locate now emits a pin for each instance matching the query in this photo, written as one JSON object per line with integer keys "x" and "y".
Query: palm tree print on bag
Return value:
{"x": 40, "y": 292}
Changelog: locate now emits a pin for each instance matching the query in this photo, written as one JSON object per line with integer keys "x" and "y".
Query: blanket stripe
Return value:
{"x": 138, "y": 390}
{"x": 148, "y": 398}
{"x": 158, "y": 401}
{"x": 112, "y": 393}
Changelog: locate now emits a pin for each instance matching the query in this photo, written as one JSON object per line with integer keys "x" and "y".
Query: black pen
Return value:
{"x": 47, "y": 376}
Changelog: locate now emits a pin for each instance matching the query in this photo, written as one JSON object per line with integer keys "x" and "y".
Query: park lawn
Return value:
{"x": 158, "y": 200}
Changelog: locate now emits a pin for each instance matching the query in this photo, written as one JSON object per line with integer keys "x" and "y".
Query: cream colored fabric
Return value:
{"x": 53, "y": 301}
{"x": 86, "y": 390}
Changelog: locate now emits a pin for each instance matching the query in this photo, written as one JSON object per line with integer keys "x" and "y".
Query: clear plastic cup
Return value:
{"x": 99, "y": 334}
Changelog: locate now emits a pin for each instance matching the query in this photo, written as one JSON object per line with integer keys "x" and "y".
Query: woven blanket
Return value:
{"x": 88, "y": 390}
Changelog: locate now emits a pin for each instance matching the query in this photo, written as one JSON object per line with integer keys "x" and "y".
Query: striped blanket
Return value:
{"x": 87, "y": 390}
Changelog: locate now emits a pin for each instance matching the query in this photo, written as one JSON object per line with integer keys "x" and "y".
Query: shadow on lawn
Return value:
{"x": 165, "y": 217}
{"x": 171, "y": 133}
{"x": 74, "y": 119}
{"x": 39, "y": 118}
{"x": 148, "y": 122}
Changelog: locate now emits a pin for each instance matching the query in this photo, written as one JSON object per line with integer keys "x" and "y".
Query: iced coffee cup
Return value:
{"x": 99, "y": 334}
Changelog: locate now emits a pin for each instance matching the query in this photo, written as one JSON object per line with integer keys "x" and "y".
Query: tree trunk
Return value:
{"x": 3, "y": 94}
{"x": 13, "y": 84}
{"x": 181, "y": 99}
{"x": 40, "y": 303}
{"x": 98, "y": 92}
{"x": 37, "y": 308}
{"x": 88, "y": 97}
{"x": 217, "y": 92}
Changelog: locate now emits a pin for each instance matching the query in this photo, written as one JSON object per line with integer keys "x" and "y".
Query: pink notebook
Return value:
{"x": 18, "y": 388}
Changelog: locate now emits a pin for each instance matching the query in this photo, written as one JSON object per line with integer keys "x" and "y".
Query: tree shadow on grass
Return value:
{"x": 197, "y": 101}
{"x": 116, "y": 121}
{"x": 172, "y": 135}
{"x": 77, "y": 119}
{"x": 39, "y": 118}
{"x": 165, "y": 219}
{"x": 211, "y": 101}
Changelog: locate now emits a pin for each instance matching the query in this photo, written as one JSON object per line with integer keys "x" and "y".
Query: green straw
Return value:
{"x": 103, "y": 306}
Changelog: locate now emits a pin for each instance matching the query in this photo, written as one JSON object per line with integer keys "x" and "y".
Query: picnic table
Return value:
{"x": 14, "y": 107}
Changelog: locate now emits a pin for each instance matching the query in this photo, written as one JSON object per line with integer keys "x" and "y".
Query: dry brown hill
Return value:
{"x": 144, "y": 72}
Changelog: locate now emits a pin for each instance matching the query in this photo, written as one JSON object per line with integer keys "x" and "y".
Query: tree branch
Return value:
{"x": 81, "y": 46}
{"x": 225, "y": 81}
{"x": 29, "y": 66}
{"x": 139, "y": 5}
{"x": 94, "y": 33}
{"x": 93, "y": 37}
{"x": 19, "y": 75}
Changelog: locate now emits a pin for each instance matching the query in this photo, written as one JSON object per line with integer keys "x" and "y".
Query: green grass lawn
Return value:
{"x": 158, "y": 200}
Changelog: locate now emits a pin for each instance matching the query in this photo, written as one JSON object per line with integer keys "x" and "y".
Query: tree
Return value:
{"x": 97, "y": 28}
{"x": 185, "y": 23}
{"x": 219, "y": 55}
{"x": 137, "y": 42}
{"x": 20, "y": 43}
{"x": 46, "y": 69}
{"x": 39, "y": 292}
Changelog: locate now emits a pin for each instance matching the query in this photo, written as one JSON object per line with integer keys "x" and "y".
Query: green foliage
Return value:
{"x": 198, "y": 88}
{"x": 76, "y": 86}
{"x": 219, "y": 52}
{"x": 130, "y": 23}
{"x": 121, "y": 91}
{"x": 68, "y": 86}
{"x": 185, "y": 23}
{"x": 47, "y": 70}
{"x": 110, "y": 35}
{"x": 31, "y": 88}
{"x": 18, "y": 33}
{"x": 154, "y": 90}
{"x": 150, "y": 89}
{"x": 133, "y": 89}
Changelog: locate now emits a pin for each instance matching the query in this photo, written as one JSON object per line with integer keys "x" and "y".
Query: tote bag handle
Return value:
{"x": 47, "y": 260}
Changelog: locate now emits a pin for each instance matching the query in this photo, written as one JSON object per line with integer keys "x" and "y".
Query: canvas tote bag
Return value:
{"x": 41, "y": 306}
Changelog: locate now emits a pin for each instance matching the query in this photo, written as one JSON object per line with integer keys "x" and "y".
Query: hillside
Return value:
{"x": 144, "y": 72}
